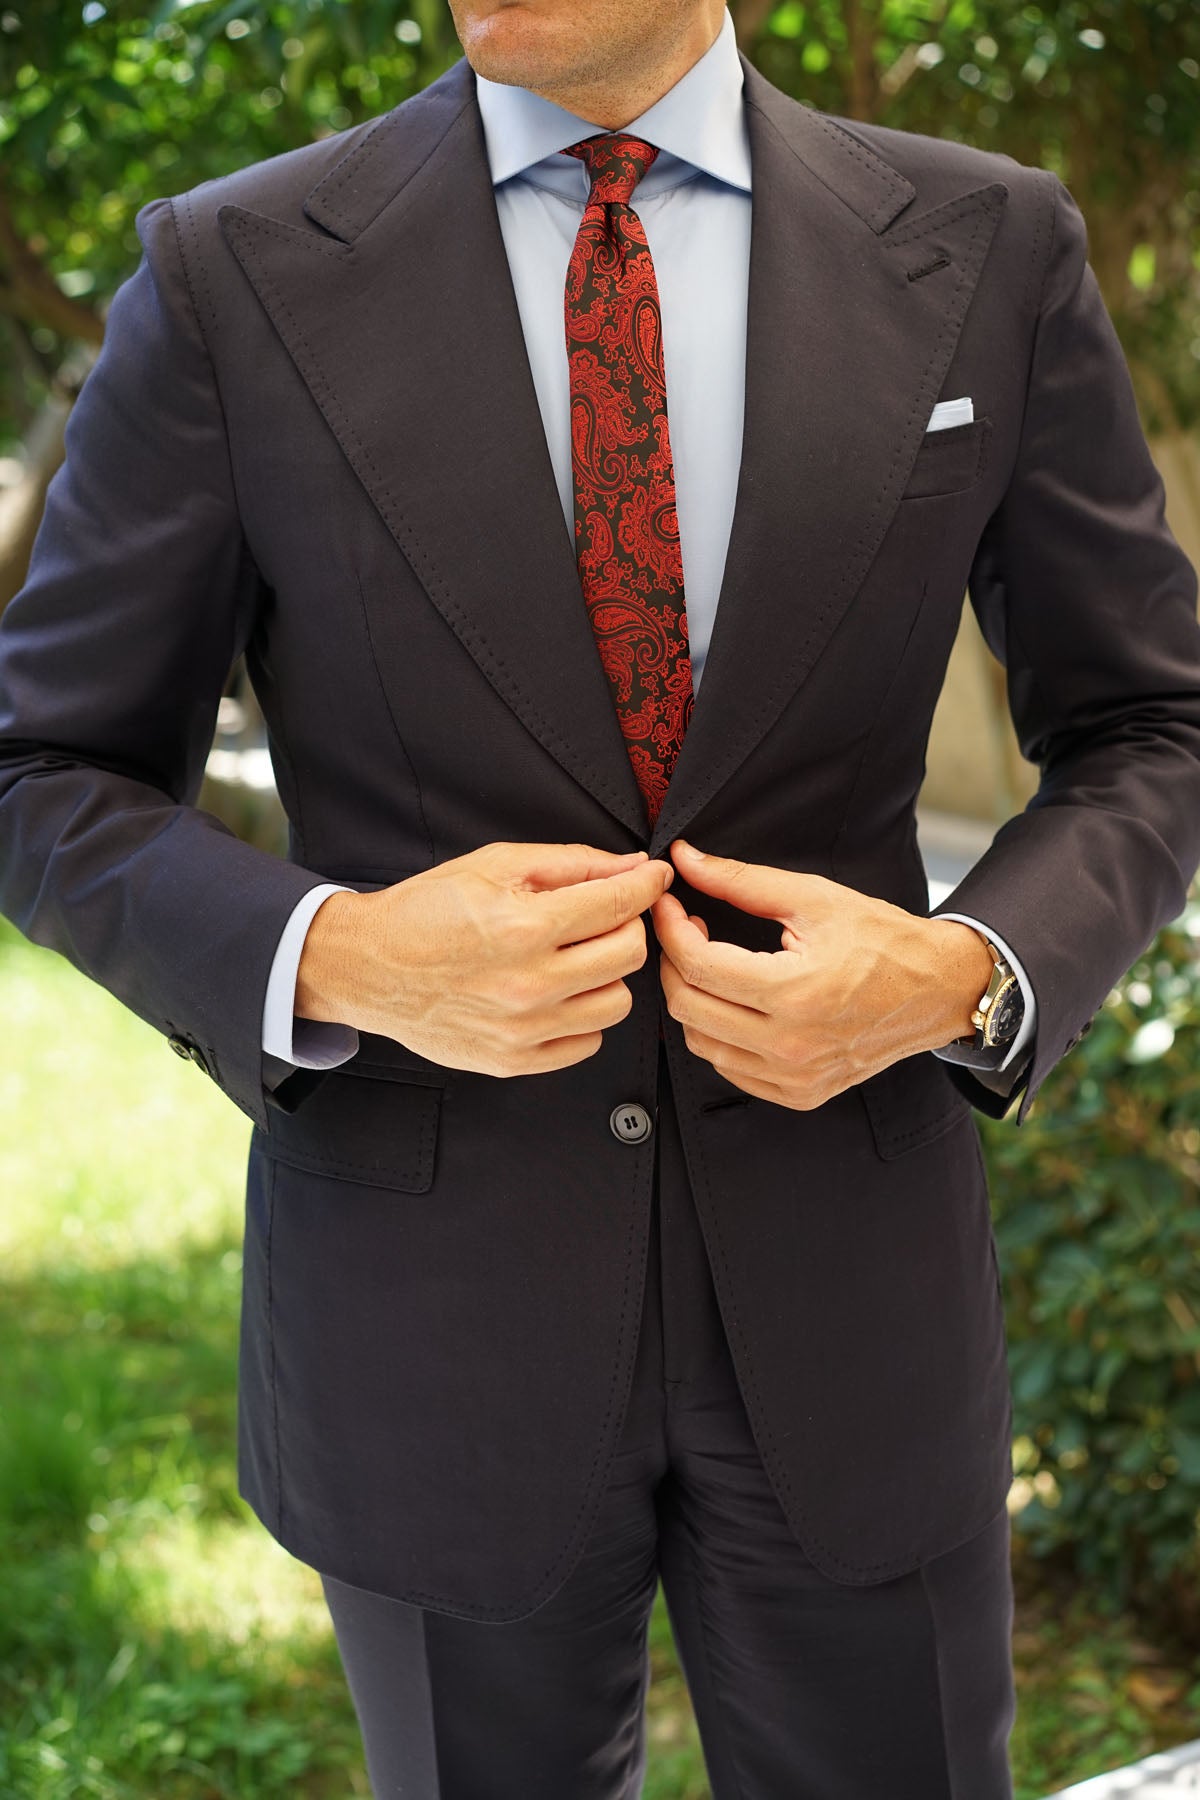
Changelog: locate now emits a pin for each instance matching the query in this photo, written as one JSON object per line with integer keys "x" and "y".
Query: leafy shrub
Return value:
{"x": 1096, "y": 1200}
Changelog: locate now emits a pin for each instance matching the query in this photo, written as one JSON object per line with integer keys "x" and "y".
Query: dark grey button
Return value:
{"x": 630, "y": 1122}
{"x": 180, "y": 1046}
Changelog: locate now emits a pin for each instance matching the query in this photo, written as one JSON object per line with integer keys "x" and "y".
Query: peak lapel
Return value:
{"x": 845, "y": 358}
{"x": 400, "y": 316}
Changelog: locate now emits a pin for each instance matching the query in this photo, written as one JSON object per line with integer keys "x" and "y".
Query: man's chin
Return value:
{"x": 517, "y": 50}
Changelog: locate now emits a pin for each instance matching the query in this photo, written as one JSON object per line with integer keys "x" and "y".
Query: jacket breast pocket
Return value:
{"x": 910, "y": 1103}
{"x": 949, "y": 461}
{"x": 372, "y": 1124}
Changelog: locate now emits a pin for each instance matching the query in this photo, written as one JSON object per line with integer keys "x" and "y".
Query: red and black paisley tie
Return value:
{"x": 626, "y": 528}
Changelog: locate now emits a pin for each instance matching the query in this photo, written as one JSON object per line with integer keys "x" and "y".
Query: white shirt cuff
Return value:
{"x": 1029, "y": 1022}
{"x": 304, "y": 1043}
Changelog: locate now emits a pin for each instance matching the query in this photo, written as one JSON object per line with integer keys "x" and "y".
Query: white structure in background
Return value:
{"x": 1168, "y": 1776}
{"x": 949, "y": 846}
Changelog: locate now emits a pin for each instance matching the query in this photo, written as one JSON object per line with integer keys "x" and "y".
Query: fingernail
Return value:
{"x": 691, "y": 849}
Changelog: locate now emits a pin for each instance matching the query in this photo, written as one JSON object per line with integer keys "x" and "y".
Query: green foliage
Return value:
{"x": 109, "y": 104}
{"x": 1097, "y": 1210}
{"x": 136, "y": 1656}
{"x": 1106, "y": 94}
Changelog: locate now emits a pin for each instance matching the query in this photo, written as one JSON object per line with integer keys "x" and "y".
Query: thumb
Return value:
{"x": 537, "y": 867}
{"x": 752, "y": 887}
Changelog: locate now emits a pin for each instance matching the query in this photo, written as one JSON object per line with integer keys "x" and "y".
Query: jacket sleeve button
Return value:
{"x": 190, "y": 1051}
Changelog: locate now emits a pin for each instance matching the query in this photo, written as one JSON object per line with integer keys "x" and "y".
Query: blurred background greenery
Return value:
{"x": 153, "y": 1640}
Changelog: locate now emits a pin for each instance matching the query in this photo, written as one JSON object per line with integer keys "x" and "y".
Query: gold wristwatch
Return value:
{"x": 997, "y": 1018}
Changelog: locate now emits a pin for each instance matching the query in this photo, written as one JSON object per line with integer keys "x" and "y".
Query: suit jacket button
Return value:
{"x": 630, "y": 1122}
{"x": 191, "y": 1052}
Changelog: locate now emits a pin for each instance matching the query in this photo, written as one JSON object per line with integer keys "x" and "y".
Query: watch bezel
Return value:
{"x": 998, "y": 1011}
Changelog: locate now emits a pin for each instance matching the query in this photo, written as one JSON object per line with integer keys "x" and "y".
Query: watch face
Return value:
{"x": 1008, "y": 1009}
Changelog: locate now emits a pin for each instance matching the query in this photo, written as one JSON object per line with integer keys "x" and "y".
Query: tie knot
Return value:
{"x": 615, "y": 163}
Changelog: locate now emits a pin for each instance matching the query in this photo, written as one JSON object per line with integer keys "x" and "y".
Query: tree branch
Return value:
{"x": 749, "y": 17}
{"x": 863, "y": 85}
{"x": 30, "y": 291}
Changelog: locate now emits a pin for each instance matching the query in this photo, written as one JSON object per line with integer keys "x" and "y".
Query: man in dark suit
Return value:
{"x": 579, "y": 1256}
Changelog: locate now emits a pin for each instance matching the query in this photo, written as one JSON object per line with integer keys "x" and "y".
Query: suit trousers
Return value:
{"x": 803, "y": 1688}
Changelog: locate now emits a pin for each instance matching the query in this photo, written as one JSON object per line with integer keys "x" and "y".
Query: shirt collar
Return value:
{"x": 700, "y": 121}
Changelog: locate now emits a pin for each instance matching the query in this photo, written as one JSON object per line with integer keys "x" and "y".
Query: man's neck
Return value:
{"x": 614, "y": 105}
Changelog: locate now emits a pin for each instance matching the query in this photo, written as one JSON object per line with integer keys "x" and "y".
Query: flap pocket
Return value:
{"x": 910, "y": 1103}
{"x": 383, "y": 1059}
{"x": 382, "y": 1133}
{"x": 949, "y": 460}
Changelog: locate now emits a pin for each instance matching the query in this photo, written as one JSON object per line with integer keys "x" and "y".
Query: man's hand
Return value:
{"x": 857, "y": 984}
{"x": 507, "y": 961}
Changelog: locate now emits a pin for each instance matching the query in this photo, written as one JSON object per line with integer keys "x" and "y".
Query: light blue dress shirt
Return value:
{"x": 694, "y": 203}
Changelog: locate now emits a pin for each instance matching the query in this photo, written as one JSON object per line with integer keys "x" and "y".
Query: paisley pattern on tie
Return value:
{"x": 626, "y": 529}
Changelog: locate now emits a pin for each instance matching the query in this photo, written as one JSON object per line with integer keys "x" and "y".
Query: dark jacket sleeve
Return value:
{"x": 1087, "y": 599}
{"x": 113, "y": 656}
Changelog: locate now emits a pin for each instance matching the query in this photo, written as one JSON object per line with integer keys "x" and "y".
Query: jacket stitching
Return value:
{"x": 366, "y": 148}
{"x": 592, "y": 1490}
{"x": 422, "y": 1169}
{"x": 939, "y": 216}
{"x": 850, "y": 146}
{"x": 770, "y": 702}
{"x": 200, "y": 266}
{"x": 417, "y": 556}
{"x": 771, "y": 1453}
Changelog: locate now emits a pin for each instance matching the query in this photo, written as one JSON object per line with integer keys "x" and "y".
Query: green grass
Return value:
{"x": 155, "y": 1644}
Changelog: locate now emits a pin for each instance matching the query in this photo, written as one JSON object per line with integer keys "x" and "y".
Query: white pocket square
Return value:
{"x": 951, "y": 412}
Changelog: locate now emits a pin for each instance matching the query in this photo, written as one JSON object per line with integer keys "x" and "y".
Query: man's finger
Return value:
{"x": 753, "y": 887}
{"x": 587, "y": 908}
{"x": 725, "y": 1021}
{"x": 719, "y": 968}
{"x": 536, "y": 867}
{"x": 728, "y": 1059}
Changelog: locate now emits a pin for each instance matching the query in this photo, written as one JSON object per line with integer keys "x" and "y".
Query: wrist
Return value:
{"x": 960, "y": 969}
{"x": 331, "y": 954}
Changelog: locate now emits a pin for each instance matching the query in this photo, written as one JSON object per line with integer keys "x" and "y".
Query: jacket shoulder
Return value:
{"x": 343, "y": 177}
{"x": 940, "y": 168}
{"x": 277, "y": 184}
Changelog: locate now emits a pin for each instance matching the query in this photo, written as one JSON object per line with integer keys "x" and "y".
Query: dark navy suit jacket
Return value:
{"x": 312, "y": 436}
